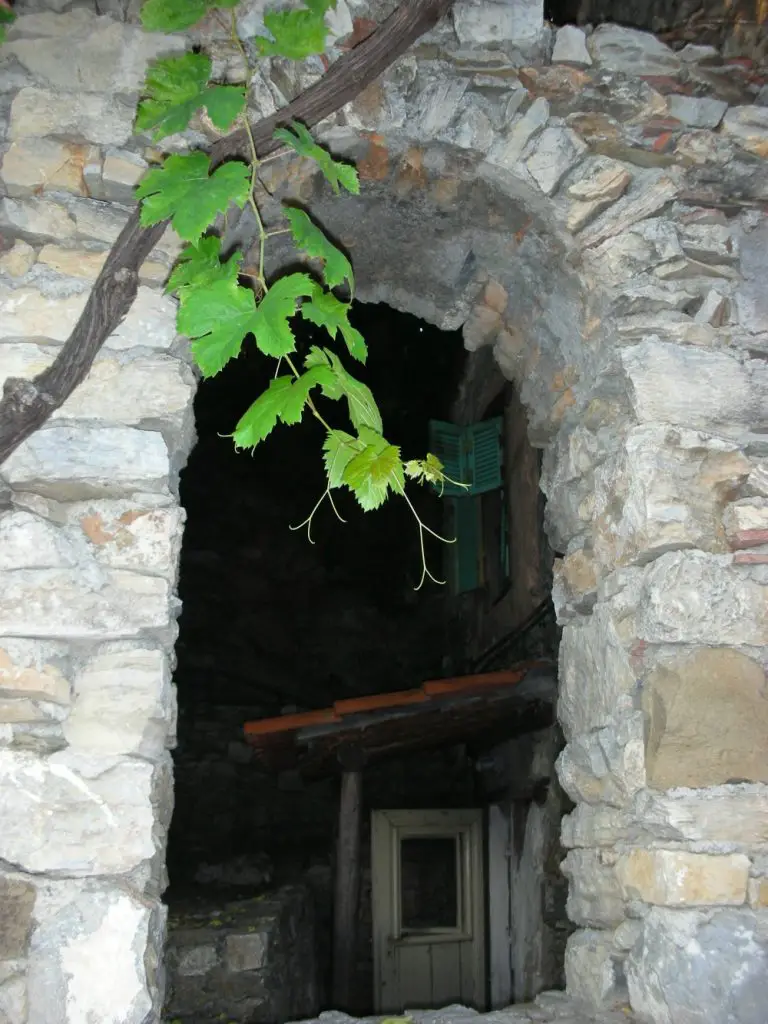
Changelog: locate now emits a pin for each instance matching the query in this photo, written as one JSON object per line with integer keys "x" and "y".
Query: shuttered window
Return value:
{"x": 471, "y": 455}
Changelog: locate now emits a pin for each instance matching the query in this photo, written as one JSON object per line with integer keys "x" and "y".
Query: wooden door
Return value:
{"x": 428, "y": 909}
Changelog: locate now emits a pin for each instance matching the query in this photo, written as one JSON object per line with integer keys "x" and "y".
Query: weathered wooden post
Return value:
{"x": 347, "y": 894}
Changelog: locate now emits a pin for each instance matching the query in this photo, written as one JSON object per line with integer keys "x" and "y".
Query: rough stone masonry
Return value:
{"x": 593, "y": 207}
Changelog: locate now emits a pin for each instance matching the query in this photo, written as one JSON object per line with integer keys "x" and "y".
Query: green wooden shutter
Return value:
{"x": 486, "y": 456}
{"x": 446, "y": 441}
{"x": 463, "y": 557}
{"x": 471, "y": 455}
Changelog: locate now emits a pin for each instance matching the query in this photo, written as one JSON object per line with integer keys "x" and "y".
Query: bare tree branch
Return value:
{"x": 27, "y": 404}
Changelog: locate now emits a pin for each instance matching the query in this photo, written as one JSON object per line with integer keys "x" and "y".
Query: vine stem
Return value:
{"x": 263, "y": 233}
{"x": 422, "y": 527}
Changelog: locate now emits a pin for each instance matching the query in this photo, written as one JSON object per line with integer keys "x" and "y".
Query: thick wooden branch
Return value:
{"x": 26, "y": 404}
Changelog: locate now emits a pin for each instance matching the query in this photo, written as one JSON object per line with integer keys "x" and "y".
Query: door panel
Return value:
{"x": 428, "y": 922}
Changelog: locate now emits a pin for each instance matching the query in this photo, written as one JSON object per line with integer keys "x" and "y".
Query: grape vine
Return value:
{"x": 222, "y": 304}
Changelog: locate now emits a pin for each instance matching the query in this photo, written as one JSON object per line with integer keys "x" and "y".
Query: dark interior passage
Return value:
{"x": 273, "y": 625}
{"x": 271, "y": 622}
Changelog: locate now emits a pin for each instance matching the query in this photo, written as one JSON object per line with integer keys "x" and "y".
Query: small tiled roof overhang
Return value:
{"x": 442, "y": 712}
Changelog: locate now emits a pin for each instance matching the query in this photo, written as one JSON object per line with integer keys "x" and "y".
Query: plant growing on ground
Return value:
{"x": 223, "y": 304}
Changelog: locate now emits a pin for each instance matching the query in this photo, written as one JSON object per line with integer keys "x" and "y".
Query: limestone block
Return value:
{"x": 601, "y": 182}
{"x": 97, "y": 221}
{"x": 716, "y": 963}
{"x": 721, "y": 394}
{"x": 678, "y": 878}
{"x": 590, "y": 826}
{"x": 472, "y": 129}
{"x": 555, "y": 152}
{"x": 157, "y": 391}
{"x": 664, "y": 490}
{"x": 636, "y": 206}
{"x": 72, "y": 262}
{"x": 121, "y": 173}
{"x": 34, "y": 670}
{"x": 746, "y": 523}
{"x": 72, "y": 462}
{"x": 707, "y": 720}
{"x": 595, "y": 897}
{"x": 717, "y": 819}
{"x": 150, "y": 323}
{"x": 83, "y": 117}
{"x": 697, "y": 111}
{"x": 591, "y": 974}
{"x": 88, "y": 54}
{"x": 749, "y": 127}
{"x": 713, "y": 310}
{"x": 709, "y": 243}
{"x": 124, "y": 704}
{"x": 568, "y": 482}
{"x": 17, "y": 898}
{"x": 571, "y": 46}
{"x": 758, "y": 893}
{"x": 30, "y": 542}
{"x": 80, "y": 814}
{"x": 574, "y": 584}
{"x": 26, "y": 313}
{"x": 92, "y": 954}
{"x": 66, "y": 603}
{"x": 692, "y": 597}
{"x": 13, "y": 994}
{"x": 435, "y": 106}
{"x": 606, "y": 765}
{"x": 757, "y": 481}
{"x": 33, "y": 165}
{"x": 132, "y": 536}
{"x": 37, "y": 218}
{"x": 646, "y": 294}
{"x": 596, "y": 679}
{"x": 18, "y": 259}
{"x": 196, "y": 960}
{"x": 482, "y": 21}
{"x": 631, "y": 51}
{"x": 508, "y": 150}
{"x": 246, "y": 952}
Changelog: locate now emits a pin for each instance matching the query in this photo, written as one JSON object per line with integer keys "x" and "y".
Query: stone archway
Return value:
{"x": 598, "y": 221}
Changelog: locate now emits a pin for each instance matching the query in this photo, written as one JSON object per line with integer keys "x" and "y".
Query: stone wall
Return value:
{"x": 592, "y": 208}
{"x": 253, "y": 960}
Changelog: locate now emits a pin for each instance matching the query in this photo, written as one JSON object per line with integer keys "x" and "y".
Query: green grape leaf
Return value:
{"x": 308, "y": 237}
{"x": 296, "y": 399}
{"x": 176, "y": 88}
{"x": 337, "y": 173}
{"x": 262, "y": 416}
{"x": 284, "y": 400}
{"x": 371, "y": 472}
{"x": 218, "y": 316}
{"x": 430, "y": 470}
{"x": 363, "y": 410}
{"x": 325, "y": 310}
{"x": 183, "y": 191}
{"x": 297, "y": 33}
{"x": 274, "y": 336}
{"x": 200, "y": 265}
{"x": 338, "y": 450}
{"x": 172, "y": 15}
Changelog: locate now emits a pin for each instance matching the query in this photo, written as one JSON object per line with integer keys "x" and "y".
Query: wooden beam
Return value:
{"x": 347, "y": 888}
